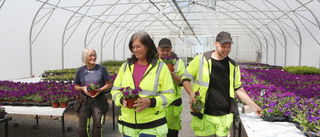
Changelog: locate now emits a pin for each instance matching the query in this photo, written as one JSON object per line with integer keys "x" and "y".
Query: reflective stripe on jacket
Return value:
{"x": 156, "y": 83}
{"x": 179, "y": 71}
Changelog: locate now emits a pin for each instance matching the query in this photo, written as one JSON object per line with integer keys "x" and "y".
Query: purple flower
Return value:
{"x": 121, "y": 89}
{"x": 310, "y": 119}
{"x": 135, "y": 92}
{"x": 196, "y": 93}
{"x": 126, "y": 93}
{"x": 270, "y": 110}
{"x": 287, "y": 113}
{"x": 273, "y": 104}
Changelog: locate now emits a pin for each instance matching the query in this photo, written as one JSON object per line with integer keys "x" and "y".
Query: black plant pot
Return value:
{"x": 2, "y": 115}
{"x": 268, "y": 118}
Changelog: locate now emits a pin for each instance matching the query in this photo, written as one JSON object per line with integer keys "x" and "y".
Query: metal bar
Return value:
{"x": 37, "y": 120}
{"x": 185, "y": 20}
{"x": 62, "y": 121}
{"x": 113, "y": 115}
{"x": 6, "y": 128}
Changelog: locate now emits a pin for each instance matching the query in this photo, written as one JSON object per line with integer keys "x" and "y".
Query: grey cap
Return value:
{"x": 165, "y": 42}
{"x": 224, "y": 37}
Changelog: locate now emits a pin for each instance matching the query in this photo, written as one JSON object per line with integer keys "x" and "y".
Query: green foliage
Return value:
{"x": 2, "y": 109}
{"x": 112, "y": 63}
{"x": 302, "y": 70}
{"x": 62, "y": 71}
{"x": 37, "y": 98}
{"x": 69, "y": 74}
{"x": 199, "y": 104}
{"x": 65, "y": 98}
{"x": 189, "y": 59}
{"x": 113, "y": 69}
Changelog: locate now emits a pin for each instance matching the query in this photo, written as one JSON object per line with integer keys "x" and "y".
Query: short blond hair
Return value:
{"x": 85, "y": 55}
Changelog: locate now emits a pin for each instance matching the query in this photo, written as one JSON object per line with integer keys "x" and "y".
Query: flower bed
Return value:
{"x": 280, "y": 93}
{"x": 39, "y": 94}
{"x": 36, "y": 92}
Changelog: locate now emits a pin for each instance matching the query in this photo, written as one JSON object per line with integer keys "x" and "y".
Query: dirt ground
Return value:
{"x": 26, "y": 125}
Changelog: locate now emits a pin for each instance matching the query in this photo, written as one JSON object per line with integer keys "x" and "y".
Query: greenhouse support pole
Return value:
{"x": 62, "y": 56}
{"x": 30, "y": 55}
{"x": 237, "y": 49}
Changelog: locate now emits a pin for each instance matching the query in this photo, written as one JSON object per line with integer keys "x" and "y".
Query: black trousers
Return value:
{"x": 90, "y": 108}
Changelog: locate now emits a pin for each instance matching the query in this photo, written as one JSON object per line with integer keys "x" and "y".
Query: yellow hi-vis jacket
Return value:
{"x": 199, "y": 70}
{"x": 156, "y": 84}
{"x": 179, "y": 70}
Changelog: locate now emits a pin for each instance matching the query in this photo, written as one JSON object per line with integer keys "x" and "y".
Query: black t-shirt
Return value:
{"x": 217, "y": 103}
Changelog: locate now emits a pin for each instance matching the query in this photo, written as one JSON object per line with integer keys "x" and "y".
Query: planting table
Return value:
{"x": 257, "y": 127}
{"x": 35, "y": 110}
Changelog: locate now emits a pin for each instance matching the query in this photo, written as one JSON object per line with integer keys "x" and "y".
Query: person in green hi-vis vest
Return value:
{"x": 217, "y": 78}
{"x": 174, "y": 110}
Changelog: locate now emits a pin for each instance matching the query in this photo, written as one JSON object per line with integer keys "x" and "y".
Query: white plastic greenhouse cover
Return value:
{"x": 38, "y": 35}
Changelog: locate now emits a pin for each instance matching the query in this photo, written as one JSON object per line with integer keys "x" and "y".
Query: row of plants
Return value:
{"x": 67, "y": 75}
{"x": 36, "y": 92}
{"x": 258, "y": 66}
{"x": 279, "y": 92}
{"x": 302, "y": 70}
{"x": 40, "y": 93}
{"x": 112, "y": 63}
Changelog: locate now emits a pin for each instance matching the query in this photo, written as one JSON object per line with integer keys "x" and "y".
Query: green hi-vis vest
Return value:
{"x": 199, "y": 70}
{"x": 156, "y": 83}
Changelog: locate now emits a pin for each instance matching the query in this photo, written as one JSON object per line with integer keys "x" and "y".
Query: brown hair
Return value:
{"x": 147, "y": 41}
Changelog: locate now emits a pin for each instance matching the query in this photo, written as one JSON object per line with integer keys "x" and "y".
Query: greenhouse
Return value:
{"x": 275, "y": 43}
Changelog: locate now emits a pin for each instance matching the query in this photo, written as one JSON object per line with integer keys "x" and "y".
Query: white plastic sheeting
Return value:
{"x": 38, "y": 35}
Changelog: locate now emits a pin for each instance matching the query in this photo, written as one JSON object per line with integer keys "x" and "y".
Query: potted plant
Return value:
{"x": 54, "y": 101}
{"x": 170, "y": 61}
{"x": 130, "y": 95}
{"x": 92, "y": 86}
{"x": 63, "y": 100}
{"x": 197, "y": 107}
{"x": 37, "y": 98}
{"x": 2, "y": 112}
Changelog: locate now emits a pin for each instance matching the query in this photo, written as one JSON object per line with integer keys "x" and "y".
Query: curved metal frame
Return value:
{"x": 178, "y": 18}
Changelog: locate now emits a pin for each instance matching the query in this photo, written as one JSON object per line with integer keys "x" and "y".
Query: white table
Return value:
{"x": 36, "y": 110}
{"x": 256, "y": 127}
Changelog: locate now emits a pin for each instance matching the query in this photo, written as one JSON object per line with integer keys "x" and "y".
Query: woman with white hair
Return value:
{"x": 93, "y": 105}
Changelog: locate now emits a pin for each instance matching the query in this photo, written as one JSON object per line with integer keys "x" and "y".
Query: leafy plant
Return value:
{"x": 170, "y": 60}
{"x": 112, "y": 63}
{"x": 63, "y": 98}
{"x": 92, "y": 85}
{"x": 130, "y": 93}
{"x": 199, "y": 104}
{"x": 2, "y": 109}
{"x": 302, "y": 70}
{"x": 37, "y": 98}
